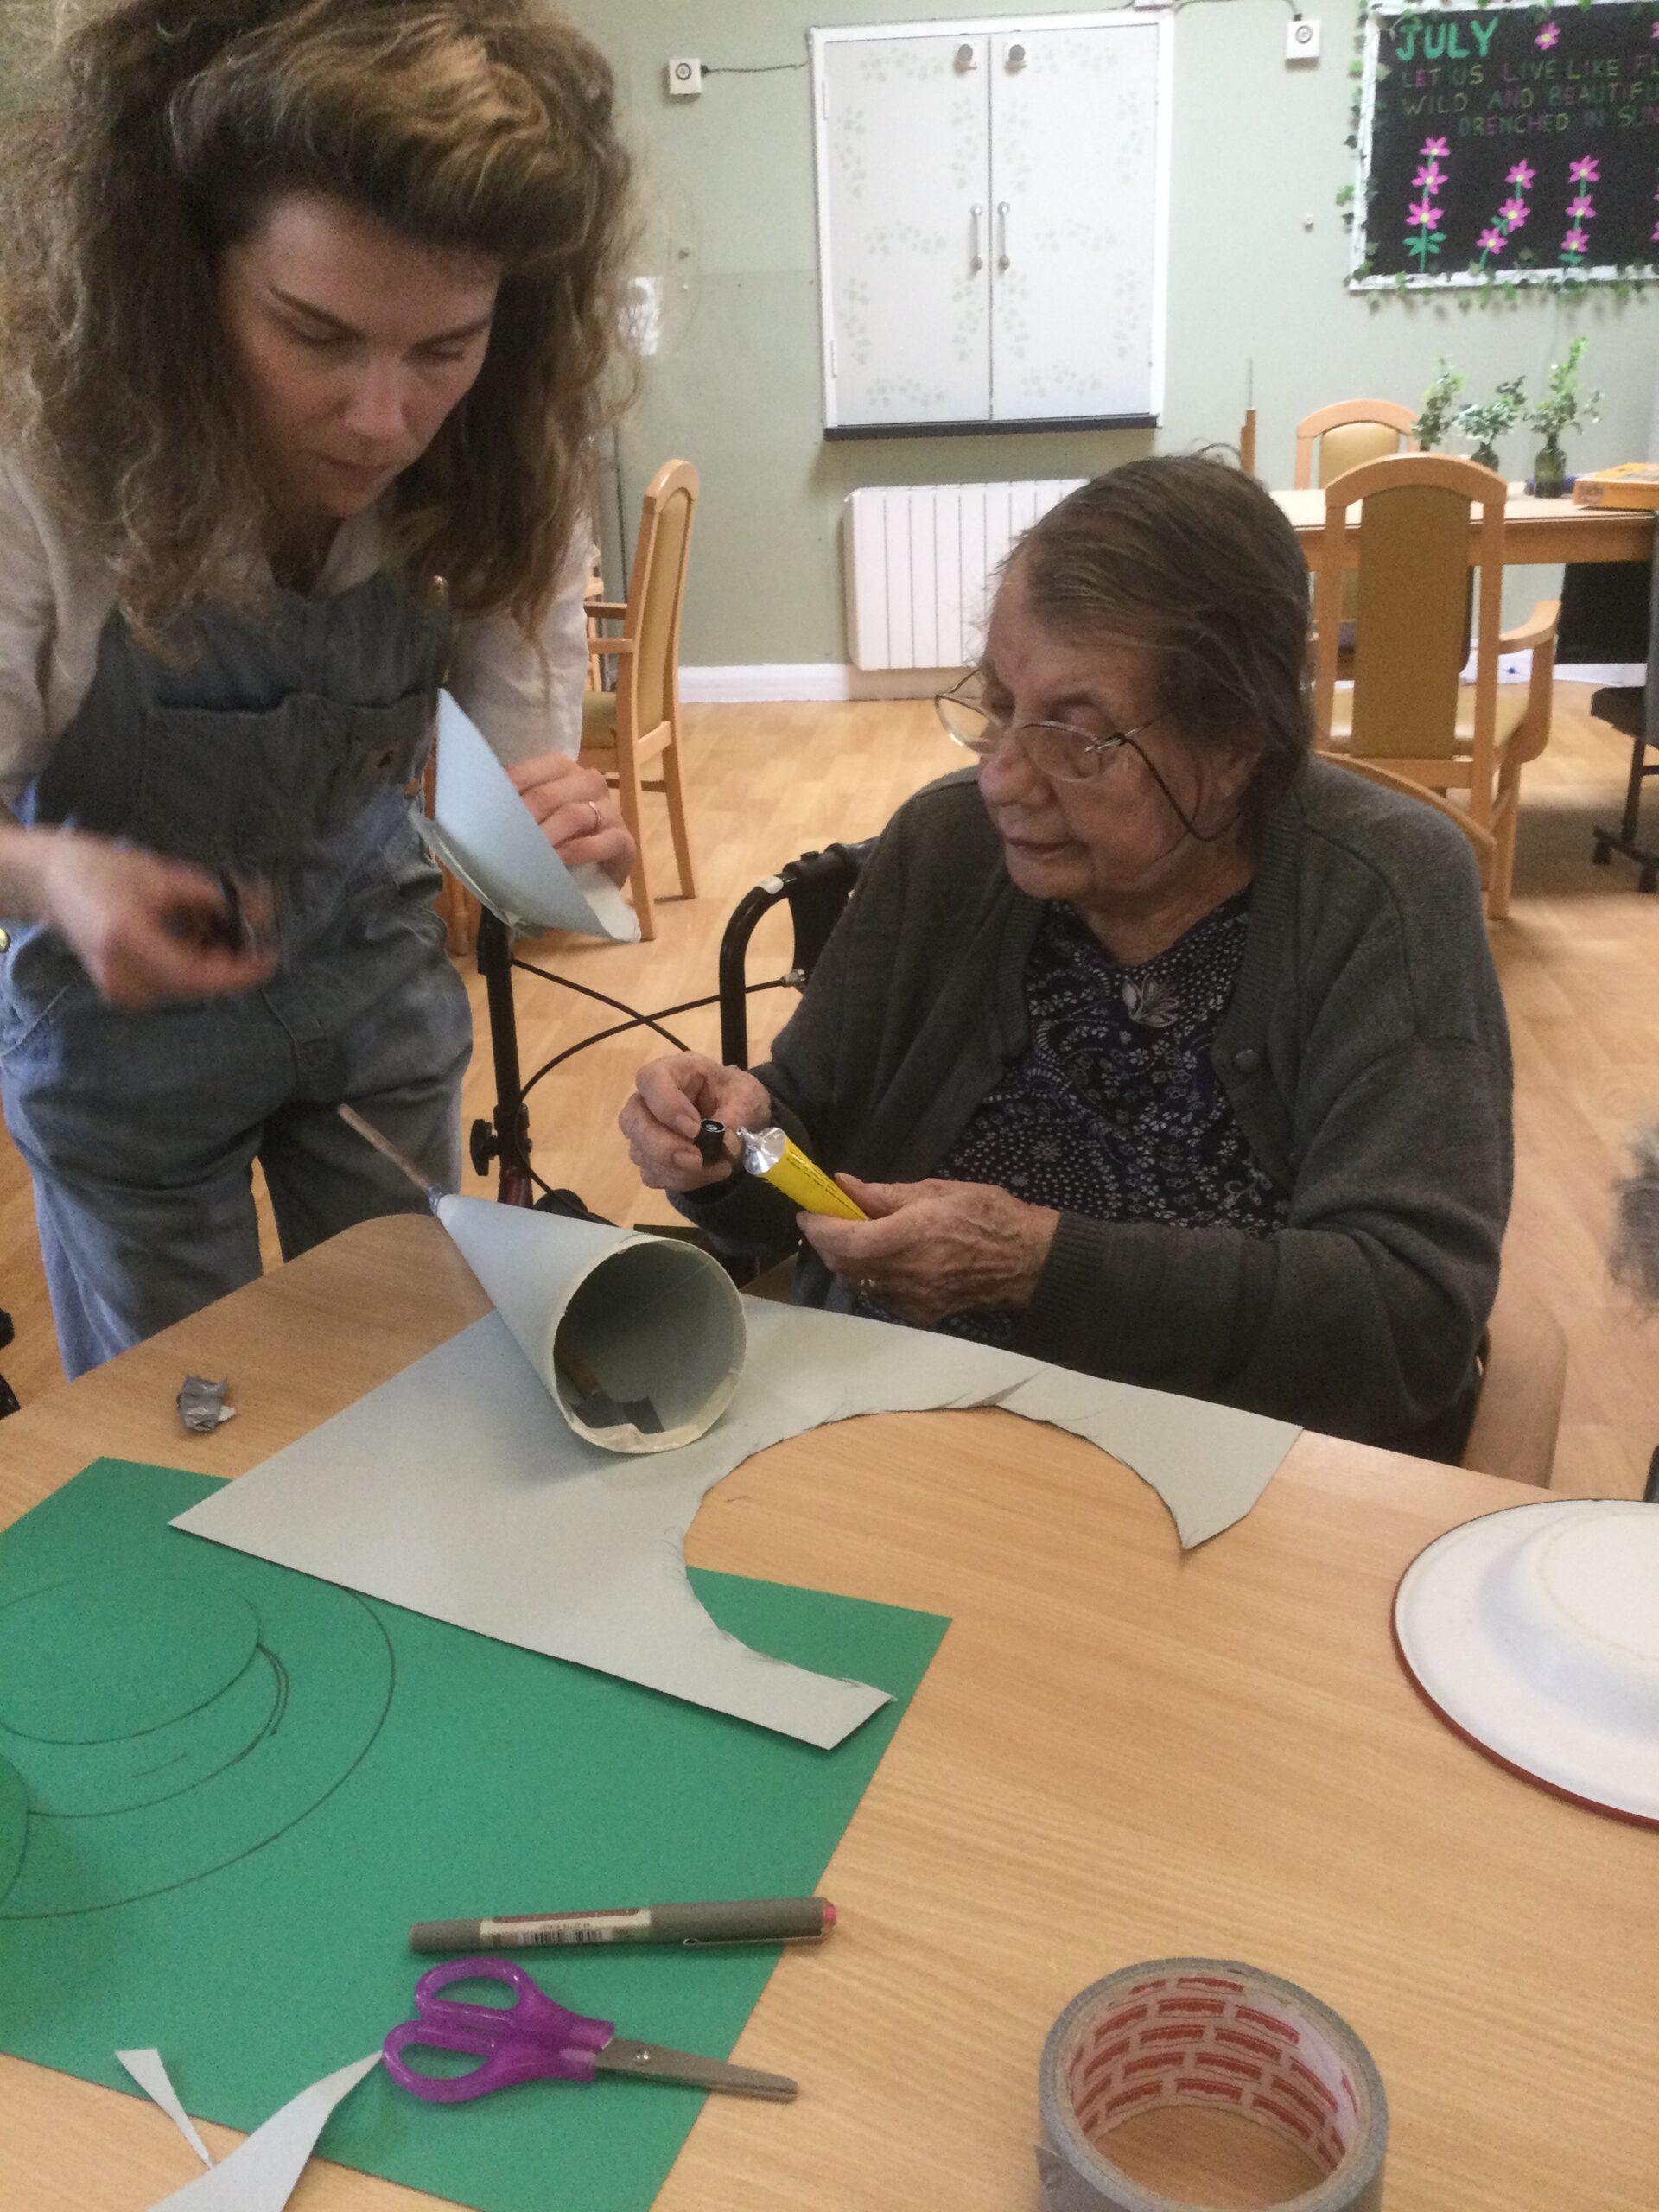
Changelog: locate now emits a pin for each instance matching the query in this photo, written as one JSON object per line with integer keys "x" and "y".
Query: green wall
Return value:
{"x": 1258, "y": 150}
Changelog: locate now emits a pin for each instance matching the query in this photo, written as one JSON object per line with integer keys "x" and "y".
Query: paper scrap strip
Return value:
{"x": 263, "y": 2172}
{"x": 148, "y": 2071}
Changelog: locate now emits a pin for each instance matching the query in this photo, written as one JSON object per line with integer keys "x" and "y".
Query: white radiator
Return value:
{"x": 921, "y": 565}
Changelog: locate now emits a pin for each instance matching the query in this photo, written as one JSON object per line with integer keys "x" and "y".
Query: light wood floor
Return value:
{"x": 1576, "y": 960}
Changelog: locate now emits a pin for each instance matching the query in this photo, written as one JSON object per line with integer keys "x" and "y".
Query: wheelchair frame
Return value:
{"x": 816, "y": 887}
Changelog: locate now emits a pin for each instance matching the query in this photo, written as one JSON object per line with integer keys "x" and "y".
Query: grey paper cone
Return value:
{"x": 622, "y": 1329}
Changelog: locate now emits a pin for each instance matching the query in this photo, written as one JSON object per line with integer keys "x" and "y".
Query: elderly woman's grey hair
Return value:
{"x": 1189, "y": 559}
{"x": 1636, "y": 1244}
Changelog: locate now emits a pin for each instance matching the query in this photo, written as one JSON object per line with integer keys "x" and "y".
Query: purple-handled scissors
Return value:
{"x": 533, "y": 2039}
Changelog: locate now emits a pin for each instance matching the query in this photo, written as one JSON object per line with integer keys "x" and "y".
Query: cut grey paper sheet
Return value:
{"x": 461, "y": 1489}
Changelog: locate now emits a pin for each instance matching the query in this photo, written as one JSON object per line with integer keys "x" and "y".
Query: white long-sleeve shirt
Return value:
{"x": 524, "y": 693}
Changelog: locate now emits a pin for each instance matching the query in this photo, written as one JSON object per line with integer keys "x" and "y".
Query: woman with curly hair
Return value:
{"x": 306, "y": 312}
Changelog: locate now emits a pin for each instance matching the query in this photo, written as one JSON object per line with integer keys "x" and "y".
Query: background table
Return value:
{"x": 1118, "y": 1753}
{"x": 1535, "y": 531}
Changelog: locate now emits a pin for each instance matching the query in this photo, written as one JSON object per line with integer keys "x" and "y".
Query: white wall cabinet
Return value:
{"x": 992, "y": 221}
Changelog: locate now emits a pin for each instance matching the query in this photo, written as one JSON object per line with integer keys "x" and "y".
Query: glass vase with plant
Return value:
{"x": 1440, "y": 406}
{"x": 1485, "y": 420}
{"x": 1565, "y": 406}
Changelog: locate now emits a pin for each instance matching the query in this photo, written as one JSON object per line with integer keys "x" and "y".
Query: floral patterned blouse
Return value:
{"x": 1114, "y": 1110}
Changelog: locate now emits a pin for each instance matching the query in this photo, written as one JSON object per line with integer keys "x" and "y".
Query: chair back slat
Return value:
{"x": 1408, "y": 622}
{"x": 1350, "y": 444}
{"x": 1384, "y": 427}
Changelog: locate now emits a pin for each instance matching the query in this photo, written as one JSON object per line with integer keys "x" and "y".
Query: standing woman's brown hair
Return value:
{"x": 481, "y": 125}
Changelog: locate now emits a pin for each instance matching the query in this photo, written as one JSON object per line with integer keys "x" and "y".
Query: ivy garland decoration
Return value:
{"x": 1482, "y": 279}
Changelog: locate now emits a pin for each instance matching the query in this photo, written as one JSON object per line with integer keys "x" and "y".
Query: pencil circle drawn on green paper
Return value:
{"x": 191, "y": 1730}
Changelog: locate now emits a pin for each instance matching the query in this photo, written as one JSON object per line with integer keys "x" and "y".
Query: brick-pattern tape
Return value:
{"x": 1207, "y": 2032}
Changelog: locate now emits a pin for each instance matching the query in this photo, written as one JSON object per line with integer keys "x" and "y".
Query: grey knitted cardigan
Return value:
{"x": 1367, "y": 1058}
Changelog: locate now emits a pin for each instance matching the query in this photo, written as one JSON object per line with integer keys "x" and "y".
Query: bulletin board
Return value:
{"x": 1508, "y": 144}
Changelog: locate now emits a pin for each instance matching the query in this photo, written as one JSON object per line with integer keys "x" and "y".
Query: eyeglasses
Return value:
{"x": 1055, "y": 750}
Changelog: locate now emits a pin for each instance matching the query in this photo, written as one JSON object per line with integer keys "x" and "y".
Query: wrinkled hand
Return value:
{"x": 142, "y": 927}
{"x": 660, "y": 1120}
{"x": 936, "y": 1248}
{"x": 579, "y": 815}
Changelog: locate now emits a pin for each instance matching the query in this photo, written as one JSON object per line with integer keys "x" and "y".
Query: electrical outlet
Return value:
{"x": 1302, "y": 38}
{"x": 685, "y": 77}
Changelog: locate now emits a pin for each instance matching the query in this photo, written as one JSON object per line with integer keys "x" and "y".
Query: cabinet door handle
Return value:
{"x": 975, "y": 258}
{"x": 1003, "y": 220}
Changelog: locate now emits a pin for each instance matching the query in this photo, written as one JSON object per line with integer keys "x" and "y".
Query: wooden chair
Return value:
{"x": 1523, "y": 1379}
{"x": 1332, "y": 440}
{"x": 1408, "y": 709}
{"x": 624, "y": 730}
{"x": 593, "y": 594}
{"x": 1484, "y": 845}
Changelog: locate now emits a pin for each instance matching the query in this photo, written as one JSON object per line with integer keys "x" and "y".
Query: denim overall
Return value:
{"x": 277, "y": 748}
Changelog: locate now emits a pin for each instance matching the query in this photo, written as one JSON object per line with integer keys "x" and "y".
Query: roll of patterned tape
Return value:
{"x": 1207, "y": 2033}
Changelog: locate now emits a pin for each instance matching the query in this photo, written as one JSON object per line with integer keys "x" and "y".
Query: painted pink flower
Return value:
{"x": 1655, "y": 233}
{"x": 1490, "y": 240}
{"x": 1429, "y": 176}
{"x": 1522, "y": 175}
{"x": 1581, "y": 206}
{"x": 1423, "y": 214}
{"x": 1575, "y": 241}
{"x": 1547, "y": 36}
{"x": 1588, "y": 171}
{"x": 1433, "y": 146}
{"x": 1514, "y": 213}
{"x": 1654, "y": 32}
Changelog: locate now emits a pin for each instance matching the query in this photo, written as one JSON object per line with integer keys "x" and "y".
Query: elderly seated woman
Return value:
{"x": 1152, "y": 1047}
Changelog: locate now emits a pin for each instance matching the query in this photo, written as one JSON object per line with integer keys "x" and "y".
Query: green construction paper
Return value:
{"x": 191, "y": 1785}
{"x": 66, "y": 1683}
{"x": 252, "y": 1924}
{"x": 14, "y": 1821}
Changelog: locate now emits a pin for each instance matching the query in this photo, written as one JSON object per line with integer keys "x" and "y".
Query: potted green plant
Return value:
{"x": 1440, "y": 406}
{"x": 1565, "y": 406}
{"x": 1486, "y": 421}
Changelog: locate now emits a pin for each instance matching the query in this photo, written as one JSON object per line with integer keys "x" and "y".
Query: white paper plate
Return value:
{"x": 1534, "y": 1632}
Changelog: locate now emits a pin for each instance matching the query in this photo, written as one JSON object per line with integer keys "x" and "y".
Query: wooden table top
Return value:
{"x": 1535, "y": 531}
{"x": 1119, "y": 1754}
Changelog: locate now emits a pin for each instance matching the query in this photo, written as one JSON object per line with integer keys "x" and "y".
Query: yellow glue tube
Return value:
{"x": 772, "y": 1156}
